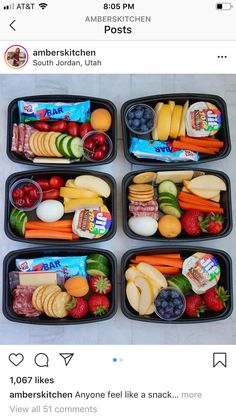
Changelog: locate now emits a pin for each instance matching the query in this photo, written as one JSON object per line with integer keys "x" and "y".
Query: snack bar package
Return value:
{"x": 37, "y": 111}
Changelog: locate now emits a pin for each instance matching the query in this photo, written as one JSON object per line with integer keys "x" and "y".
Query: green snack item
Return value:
{"x": 96, "y": 257}
{"x": 180, "y": 282}
{"x": 97, "y": 269}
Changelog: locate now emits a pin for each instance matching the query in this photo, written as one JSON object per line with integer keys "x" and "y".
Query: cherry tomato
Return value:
{"x": 52, "y": 194}
{"x": 89, "y": 144}
{"x": 84, "y": 129}
{"x": 28, "y": 202}
{"x": 98, "y": 154}
{"x": 99, "y": 138}
{"x": 20, "y": 203}
{"x": 56, "y": 182}
{"x": 44, "y": 184}
{"x": 73, "y": 129}
{"x": 18, "y": 194}
{"x": 104, "y": 147}
{"x": 33, "y": 193}
{"x": 59, "y": 126}
{"x": 42, "y": 126}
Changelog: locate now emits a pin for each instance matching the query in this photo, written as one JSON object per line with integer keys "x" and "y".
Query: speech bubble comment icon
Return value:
{"x": 41, "y": 360}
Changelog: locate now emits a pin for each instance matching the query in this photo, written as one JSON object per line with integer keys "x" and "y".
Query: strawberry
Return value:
{"x": 216, "y": 298}
{"x": 78, "y": 308}
{"x": 212, "y": 224}
{"x": 194, "y": 305}
{"x": 100, "y": 285}
{"x": 98, "y": 304}
{"x": 191, "y": 220}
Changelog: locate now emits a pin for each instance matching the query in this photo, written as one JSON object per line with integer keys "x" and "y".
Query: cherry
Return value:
{"x": 99, "y": 138}
{"x": 29, "y": 202}
{"x": 104, "y": 147}
{"x": 20, "y": 203}
{"x": 18, "y": 194}
{"x": 33, "y": 193}
{"x": 89, "y": 144}
{"x": 99, "y": 154}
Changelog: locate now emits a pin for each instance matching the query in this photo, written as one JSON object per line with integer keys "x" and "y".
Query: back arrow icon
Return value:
{"x": 12, "y": 24}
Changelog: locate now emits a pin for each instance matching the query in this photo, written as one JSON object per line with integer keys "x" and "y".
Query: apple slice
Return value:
{"x": 215, "y": 199}
{"x": 172, "y": 105}
{"x": 175, "y": 121}
{"x": 133, "y": 295}
{"x": 150, "y": 310}
{"x": 182, "y": 128}
{"x": 157, "y": 110}
{"x": 147, "y": 297}
{"x": 152, "y": 274}
{"x": 211, "y": 182}
{"x": 131, "y": 273}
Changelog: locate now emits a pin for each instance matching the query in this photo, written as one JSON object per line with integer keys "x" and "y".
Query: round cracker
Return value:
{"x": 46, "y": 144}
{"x": 132, "y": 198}
{"x": 145, "y": 177}
{"x": 48, "y": 302}
{"x": 40, "y": 143}
{"x": 35, "y": 297}
{"x": 50, "y": 289}
{"x": 59, "y": 305}
{"x": 32, "y": 143}
{"x": 151, "y": 191}
{"x": 38, "y": 297}
{"x": 52, "y": 144}
{"x": 140, "y": 187}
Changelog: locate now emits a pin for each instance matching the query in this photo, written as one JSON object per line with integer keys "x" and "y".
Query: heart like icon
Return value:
{"x": 16, "y": 359}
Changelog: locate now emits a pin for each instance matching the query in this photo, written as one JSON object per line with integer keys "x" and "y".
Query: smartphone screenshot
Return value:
{"x": 117, "y": 159}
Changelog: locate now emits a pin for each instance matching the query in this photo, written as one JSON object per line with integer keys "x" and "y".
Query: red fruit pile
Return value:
{"x": 25, "y": 196}
{"x": 96, "y": 146}
{"x": 51, "y": 187}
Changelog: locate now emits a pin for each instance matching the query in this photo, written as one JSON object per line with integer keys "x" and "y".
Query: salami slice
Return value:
{"x": 22, "y": 301}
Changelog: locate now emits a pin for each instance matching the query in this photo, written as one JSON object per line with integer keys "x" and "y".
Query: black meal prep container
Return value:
{"x": 226, "y": 278}
{"x": 13, "y": 117}
{"x": 9, "y": 265}
{"x": 180, "y": 98}
{"x": 226, "y": 203}
{"x": 110, "y": 202}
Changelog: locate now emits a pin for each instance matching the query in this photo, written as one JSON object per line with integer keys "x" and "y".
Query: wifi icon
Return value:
{"x": 43, "y": 5}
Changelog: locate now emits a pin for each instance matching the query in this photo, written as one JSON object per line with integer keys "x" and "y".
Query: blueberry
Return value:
{"x": 130, "y": 115}
{"x": 180, "y": 306}
{"x": 158, "y": 303}
{"x": 138, "y": 108}
{"x": 136, "y": 123}
{"x": 177, "y": 312}
{"x": 174, "y": 294}
{"x": 138, "y": 114}
{"x": 176, "y": 301}
{"x": 150, "y": 124}
{"x": 162, "y": 312}
{"x": 167, "y": 316}
{"x": 165, "y": 294}
{"x": 143, "y": 128}
{"x": 130, "y": 122}
{"x": 164, "y": 304}
{"x": 170, "y": 304}
{"x": 142, "y": 121}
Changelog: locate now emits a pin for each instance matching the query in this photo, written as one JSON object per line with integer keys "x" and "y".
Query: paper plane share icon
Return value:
{"x": 67, "y": 357}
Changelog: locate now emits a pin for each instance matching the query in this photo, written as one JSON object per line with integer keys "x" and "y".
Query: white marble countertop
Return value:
{"x": 120, "y": 88}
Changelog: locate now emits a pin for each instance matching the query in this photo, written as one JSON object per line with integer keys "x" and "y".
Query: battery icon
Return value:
{"x": 224, "y": 6}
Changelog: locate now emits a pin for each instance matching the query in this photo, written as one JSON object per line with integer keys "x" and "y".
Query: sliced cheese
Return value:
{"x": 66, "y": 192}
{"x": 47, "y": 160}
{"x": 74, "y": 204}
{"x": 177, "y": 176}
{"x": 175, "y": 121}
{"x": 36, "y": 279}
{"x": 164, "y": 123}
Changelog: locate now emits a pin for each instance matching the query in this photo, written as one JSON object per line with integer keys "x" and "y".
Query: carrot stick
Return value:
{"x": 168, "y": 255}
{"x": 158, "y": 260}
{"x": 41, "y": 224}
{"x": 49, "y": 228}
{"x": 181, "y": 145}
{"x": 203, "y": 143}
{"x": 49, "y": 234}
{"x": 203, "y": 208}
{"x": 167, "y": 270}
{"x": 193, "y": 199}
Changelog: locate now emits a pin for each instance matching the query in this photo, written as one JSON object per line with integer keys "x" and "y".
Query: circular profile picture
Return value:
{"x": 16, "y": 56}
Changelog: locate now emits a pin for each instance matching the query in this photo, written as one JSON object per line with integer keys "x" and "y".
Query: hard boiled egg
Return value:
{"x": 50, "y": 211}
{"x": 144, "y": 226}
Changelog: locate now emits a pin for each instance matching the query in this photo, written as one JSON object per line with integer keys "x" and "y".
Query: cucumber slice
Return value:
{"x": 168, "y": 186}
{"x": 170, "y": 202}
{"x": 75, "y": 147}
{"x": 97, "y": 269}
{"x": 21, "y": 221}
{"x": 96, "y": 257}
{"x": 171, "y": 210}
{"x": 64, "y": 146}
{"x": 13, "y": 218}
{"x": 181, "y": 283}
{"x": 59, "y": 141}
{"x": 166, "y": 195}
